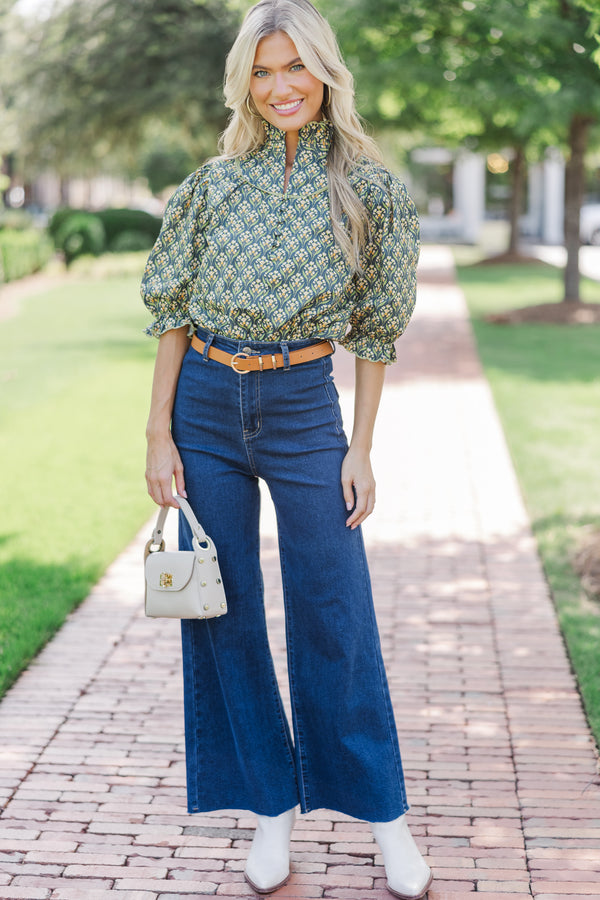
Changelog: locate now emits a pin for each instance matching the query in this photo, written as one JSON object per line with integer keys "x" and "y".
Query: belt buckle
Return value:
{"x": 234, "y": 360}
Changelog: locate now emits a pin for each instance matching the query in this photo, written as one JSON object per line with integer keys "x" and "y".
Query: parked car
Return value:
{"x": 589, "y": 224}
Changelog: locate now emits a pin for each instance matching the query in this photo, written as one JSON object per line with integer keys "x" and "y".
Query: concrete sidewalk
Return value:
{"x": 501, "y": 768}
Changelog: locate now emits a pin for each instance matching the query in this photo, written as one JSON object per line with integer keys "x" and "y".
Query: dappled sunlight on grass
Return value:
{"x": 546, "y": 384}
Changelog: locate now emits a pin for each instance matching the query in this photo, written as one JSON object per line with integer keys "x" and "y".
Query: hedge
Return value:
{"x": 23, "y": 252}
{"x": 78, "y": 232}
{"x": 117, "y": 221}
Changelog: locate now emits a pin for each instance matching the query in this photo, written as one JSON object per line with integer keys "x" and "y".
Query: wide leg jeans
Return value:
{"x": 341, "y": 753}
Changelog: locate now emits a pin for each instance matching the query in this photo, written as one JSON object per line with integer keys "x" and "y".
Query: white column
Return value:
{"x": 469, "y": 194}
{"x": 46, "y": 190}
{"x": 535, "y": 200}
{"x": 554, "y": 197}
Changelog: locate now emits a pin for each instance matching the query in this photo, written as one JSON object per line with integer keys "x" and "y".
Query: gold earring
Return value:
{"x": 253, "y": 114}
{"x": 327, "y": 88}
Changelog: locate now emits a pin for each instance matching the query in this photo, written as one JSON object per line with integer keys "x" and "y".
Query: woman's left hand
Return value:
{"x": 358, "y": 484}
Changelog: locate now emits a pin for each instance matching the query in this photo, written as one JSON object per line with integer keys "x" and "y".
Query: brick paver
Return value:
{"x": 500, "y": 764}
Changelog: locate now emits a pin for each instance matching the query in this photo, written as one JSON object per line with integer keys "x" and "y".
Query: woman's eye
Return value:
{"x": 260, "y": 73}
{"x": 296, "y": 67}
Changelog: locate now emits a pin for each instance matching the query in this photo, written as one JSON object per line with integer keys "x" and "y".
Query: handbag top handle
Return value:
{"x": 197, "y": 529}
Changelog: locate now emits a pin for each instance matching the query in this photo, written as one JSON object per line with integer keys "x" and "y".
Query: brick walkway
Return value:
{"x": 501, "y": 768}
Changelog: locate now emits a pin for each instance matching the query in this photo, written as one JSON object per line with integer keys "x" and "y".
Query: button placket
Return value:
{"x": 279, "y": 223}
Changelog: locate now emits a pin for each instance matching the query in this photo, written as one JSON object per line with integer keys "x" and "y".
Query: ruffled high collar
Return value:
{"x": 314, "y": 137}
{"x": 265, "y": 166}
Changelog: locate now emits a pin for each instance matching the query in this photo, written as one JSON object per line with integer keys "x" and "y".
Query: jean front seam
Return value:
{"x": 250, "y": 397}
{"x": 280, "y": 710}
{"x": 393, "y": 735}
{"x": 247, "y": 383}
{"x": 302, "y": 774}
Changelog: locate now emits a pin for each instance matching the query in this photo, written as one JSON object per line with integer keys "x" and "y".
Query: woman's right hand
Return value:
{"x": 163, "y": 463}
{"x": 162, "y": 459}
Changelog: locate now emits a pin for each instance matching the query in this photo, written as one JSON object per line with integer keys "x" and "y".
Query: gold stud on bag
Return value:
{"x": 183, "y": 584}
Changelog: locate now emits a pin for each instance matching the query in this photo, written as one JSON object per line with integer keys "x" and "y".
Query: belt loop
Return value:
{"x": 209, "y": 339}
{"x": 286, "y": 356}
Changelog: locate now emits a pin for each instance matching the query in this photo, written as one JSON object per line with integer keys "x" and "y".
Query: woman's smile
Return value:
{"x": 286, "y": 109}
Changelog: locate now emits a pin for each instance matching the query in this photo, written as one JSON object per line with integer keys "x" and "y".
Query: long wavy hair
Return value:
{"x": 319, "y": 51}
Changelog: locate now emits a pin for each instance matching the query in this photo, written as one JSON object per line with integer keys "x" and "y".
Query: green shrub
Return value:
{"x": 59, "y": 218}
{"x": 116, "y": 221}
{"x": 130, "y": 241}
{"x": 22, "y": 252}
{"x": 80, "y": 233}
{"x": 124, "y": 230}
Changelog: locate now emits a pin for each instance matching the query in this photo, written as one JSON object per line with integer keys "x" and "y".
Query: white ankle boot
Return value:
{"x": 408, "y": 875}
{"x": 268, "y": 864}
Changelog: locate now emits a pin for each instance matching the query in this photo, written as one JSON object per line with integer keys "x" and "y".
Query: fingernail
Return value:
{"x": 348, "y": 506}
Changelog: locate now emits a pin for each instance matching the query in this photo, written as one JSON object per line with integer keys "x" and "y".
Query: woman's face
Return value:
{"x": 283, "y": 90}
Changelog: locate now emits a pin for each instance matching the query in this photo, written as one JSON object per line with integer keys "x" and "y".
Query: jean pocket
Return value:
{"x": 334, "y": 403}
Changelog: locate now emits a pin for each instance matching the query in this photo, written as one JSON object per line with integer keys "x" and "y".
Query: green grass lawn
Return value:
{"x": 546, "y": 383}
{"x": 75, "y": 373}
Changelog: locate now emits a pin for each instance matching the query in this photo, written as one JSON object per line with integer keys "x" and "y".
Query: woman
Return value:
{"x": 293, "y": 238}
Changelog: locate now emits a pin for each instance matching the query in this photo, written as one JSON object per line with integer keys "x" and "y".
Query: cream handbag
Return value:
{"x": 183, "y": 584}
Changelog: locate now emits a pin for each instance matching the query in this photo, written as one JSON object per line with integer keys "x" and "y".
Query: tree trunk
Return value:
{"x": 574, "y": 189}
{"x": 516, "y": 199}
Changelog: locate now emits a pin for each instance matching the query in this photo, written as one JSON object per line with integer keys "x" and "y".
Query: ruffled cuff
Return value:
{"x": 367, "y": 348}
{"x": 167, "y": 322}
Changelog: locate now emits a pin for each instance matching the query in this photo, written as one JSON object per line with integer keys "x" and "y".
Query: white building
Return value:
{"x": 458, "y": 211}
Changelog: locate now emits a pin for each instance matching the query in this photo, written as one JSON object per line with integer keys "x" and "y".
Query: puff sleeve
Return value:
{"x": 169, "y": 278}
{"x": 384, "y": 293}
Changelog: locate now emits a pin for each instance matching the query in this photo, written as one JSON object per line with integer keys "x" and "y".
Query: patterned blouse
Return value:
{"x": 242, "y": 258}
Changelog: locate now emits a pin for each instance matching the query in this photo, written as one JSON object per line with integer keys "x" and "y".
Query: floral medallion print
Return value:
{"x": 242, "y": 258}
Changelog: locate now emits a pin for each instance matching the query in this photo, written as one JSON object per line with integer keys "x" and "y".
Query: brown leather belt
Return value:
{"x": 243, "y": 363}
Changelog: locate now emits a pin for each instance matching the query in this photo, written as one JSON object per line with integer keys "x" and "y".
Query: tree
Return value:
{"x": 516, "y": 73}
{"x": 166, "y": 157}
{"x": 449, "y": 71}
{"x": 91, "y": 76}
{"x": 579, "y": 74}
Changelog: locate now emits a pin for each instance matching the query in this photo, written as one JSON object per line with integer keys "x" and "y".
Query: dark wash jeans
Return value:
{"x": 285, "y": 427}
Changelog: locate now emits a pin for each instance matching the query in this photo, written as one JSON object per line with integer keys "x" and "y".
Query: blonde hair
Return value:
{"x": 319, "y": 51}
